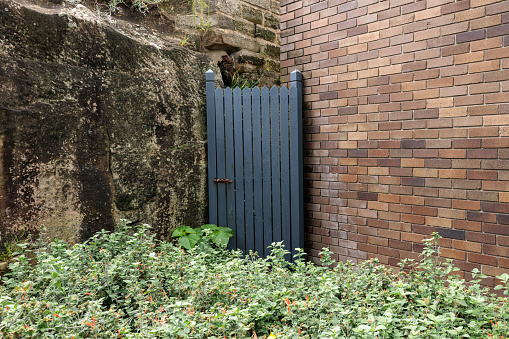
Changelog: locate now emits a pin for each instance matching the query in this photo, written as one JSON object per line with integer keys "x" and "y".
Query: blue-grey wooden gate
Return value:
{"x": 255, "y": 164}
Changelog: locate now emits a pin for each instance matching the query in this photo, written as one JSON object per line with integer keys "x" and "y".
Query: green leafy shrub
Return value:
{"x": 190, "y": 237}
{"x": 11, "y": 247}
{"x": 126, "y": 284}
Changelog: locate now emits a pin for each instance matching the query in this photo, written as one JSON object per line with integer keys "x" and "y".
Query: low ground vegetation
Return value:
{"x": 126, "y": 284}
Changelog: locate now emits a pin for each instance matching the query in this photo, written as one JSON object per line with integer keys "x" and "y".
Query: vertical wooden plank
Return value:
{"x": 230, "y": 164}
{"x": 220, "y": 151}
{"x": 239, "y": 169}
{"x": 257, "y": 172}
{"x": 248, "y": 170}
{"x": 276, "y": 164}
{"x": 211, "y": 146}
{"x": 296, "y": 162}
{"x": 266, "y": 171}
{"x": 285, "y": 169}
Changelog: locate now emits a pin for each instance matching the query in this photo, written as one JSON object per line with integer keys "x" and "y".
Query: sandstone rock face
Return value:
{"x": 96, "y": 124}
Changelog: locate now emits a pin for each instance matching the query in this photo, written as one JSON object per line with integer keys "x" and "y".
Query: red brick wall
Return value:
{"x": 406, "y": 126}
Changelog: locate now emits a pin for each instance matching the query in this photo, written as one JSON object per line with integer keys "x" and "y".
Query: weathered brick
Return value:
{"x": 413, "y": 182}
{"x": 423, "y": 210}
{"x": 413, "y": 143}
{"x": 503, "y": 219}
{"x": 452, "y": 173}
{"x": 470, "y": 36}
{"x": 495, "y": 164}
{"x": 503, "y": 241}
{"x": 480, "y": 216}
{"x": 481, "y": 237}
{"x": 438, "y": 163}
{"x": 455, "y": 7}
{"x": 482, "y": 259}
{"x": 389, "y": 162}
{"x": 450, "y": 233}
{"x": 493, "y": 271}
{"x": 483, "y": 131}
{"x": 467, "y": 225}
{"x": 456, "y": 49}
{"x": 468, "y": 15}
{"x": 452, "y": 153}
{"x": 406, "y": 129}
{"x": 367, "y": 196}
{"x": 484, "y": 66}
{"x": 497, "y": 30}
{"x": 466, "y": 143}
{"x": 402, "y": 245}
{"x": 496, "y": 250}
{"x": 482, "y": 153}
{"x": 486, "y": 44}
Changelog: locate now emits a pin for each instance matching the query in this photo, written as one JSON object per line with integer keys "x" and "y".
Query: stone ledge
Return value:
{"x": 230, "y": 42}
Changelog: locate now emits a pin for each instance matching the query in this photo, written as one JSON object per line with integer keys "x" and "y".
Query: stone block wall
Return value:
{"x": 406, "y": 127}
{"x": 250, "y": 29}
{"x": 245, "y": 30}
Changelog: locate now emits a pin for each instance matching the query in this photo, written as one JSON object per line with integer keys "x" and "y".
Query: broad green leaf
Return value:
{"x": 227, "y": 230}
{"x": 189, "y": 241}
{"x": 179, "y": 232}
{"x": 221, "y": 237}
{"x": 503, "y": 277}
{"x": 209, "y": 227}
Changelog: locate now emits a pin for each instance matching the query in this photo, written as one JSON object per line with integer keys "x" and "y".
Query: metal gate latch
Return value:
{"x": 227, "y": 181}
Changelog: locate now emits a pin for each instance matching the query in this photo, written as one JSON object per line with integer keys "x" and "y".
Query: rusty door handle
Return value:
{"x": 226, "y": 181}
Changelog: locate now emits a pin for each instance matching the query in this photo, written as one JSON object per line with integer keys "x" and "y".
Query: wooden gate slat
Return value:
{"x": 276, "y": 164}
{"x": 285, "y": 169}
{"x": 257, "y": 172}
{"x": 211, "y": 146}
{"x": 266, "y": 171}
{"x": 221, "y": 168}
{"x": 248, "y": 169}
{"x": 239, "y": 169}
{"x": 230, "y": 164}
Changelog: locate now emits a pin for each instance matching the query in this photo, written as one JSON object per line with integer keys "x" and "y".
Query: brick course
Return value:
{"x": 406, "y": 126}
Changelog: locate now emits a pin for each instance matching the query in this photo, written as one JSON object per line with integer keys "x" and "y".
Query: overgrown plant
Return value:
{"x": 113, "y": 5}
{"x": 11, "y": 247}
{"x": 139, "y": 5}
{"x": 126, "y": 284}
{"x": 201, "y": 11}
{"x": 241, "y": 81}
{"x": 205, "y": 235}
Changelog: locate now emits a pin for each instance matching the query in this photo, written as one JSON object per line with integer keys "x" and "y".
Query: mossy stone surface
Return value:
{"x": 266, "y": 34}
{"x": 252, "y": 14}
{"x": 271, "y": 21}
{"x": 272, "y": 51}
{"x": 97, "y": 125}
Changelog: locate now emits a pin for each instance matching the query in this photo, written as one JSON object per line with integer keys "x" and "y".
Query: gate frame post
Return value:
{"x": 211, "y": 145}
{"x": 298, "y": 234}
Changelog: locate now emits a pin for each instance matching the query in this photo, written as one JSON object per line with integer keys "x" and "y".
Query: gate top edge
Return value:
{"x": 296, "y": 75}
{"x": 209, "y": 75}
